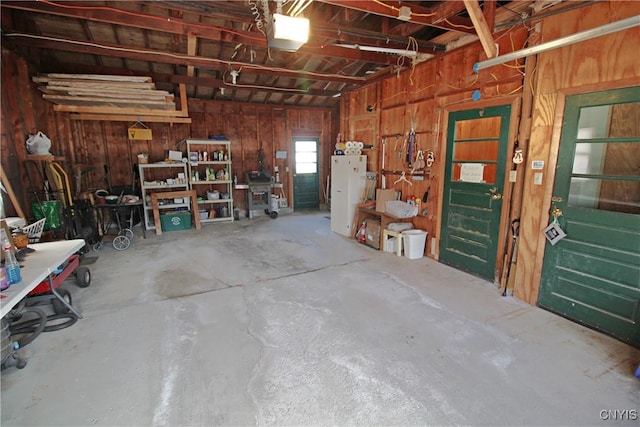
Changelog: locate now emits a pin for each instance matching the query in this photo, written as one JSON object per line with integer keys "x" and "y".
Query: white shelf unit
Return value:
{"x": 153, "y": 179}
{"x": 215, "y": 210}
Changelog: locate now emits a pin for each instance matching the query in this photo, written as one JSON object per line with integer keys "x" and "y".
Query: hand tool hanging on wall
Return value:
{"x": 412, "y": 142}
{"x": 511, "y": 270}
{"x": 419, "y": 164}
{"x": 384, "y": 149}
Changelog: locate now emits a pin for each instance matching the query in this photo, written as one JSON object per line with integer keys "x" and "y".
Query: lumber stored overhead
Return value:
{"x": 113, "y": 95}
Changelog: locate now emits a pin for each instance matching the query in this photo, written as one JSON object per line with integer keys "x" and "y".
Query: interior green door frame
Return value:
{"x": 306, "y": 173}
{"x": 471, "y": 217}
{"x": 593, "y": 275}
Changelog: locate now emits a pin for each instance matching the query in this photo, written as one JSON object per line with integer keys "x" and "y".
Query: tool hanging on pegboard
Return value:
{"x": 412, "y": 142}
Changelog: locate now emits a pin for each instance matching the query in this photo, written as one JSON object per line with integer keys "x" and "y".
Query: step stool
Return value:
{"x": 398, "y": 235}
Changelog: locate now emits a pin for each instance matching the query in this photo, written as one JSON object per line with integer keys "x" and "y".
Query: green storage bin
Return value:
{"x": 171, "y": 221}
{"x": 50, "y": 210}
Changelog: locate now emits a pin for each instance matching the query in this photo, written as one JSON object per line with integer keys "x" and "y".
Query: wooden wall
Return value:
{"x": 103, "y": 151}
{"x": 427, "y": 92}
{"x": 598, "y": 64}
{"x": 539, "y": 83}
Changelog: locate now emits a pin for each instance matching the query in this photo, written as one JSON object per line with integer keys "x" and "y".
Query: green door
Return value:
{"x": 474, "y": 177}
{"x": 593, "y": 274}
{"x": 306, "y": 187}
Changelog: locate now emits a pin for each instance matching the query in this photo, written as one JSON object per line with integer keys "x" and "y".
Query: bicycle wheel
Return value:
{"x": 121, "y": 243}
{"x": 27, "y": 325}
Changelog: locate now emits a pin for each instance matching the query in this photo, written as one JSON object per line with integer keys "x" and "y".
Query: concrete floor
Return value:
{"x": 282, "y": 322}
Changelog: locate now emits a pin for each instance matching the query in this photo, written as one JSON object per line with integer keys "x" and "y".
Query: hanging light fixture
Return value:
{"x": 287, "y": 33}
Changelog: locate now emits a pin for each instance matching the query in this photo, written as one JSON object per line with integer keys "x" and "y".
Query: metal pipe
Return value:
{"x": 624, "y": 24}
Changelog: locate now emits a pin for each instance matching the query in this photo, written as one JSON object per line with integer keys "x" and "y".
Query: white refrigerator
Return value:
{"x": 348, "y": 183}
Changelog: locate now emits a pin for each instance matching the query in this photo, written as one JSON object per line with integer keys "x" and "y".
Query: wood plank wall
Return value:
{"x": 431, "y": 89}
{"x": 426, "y": 92}
{"x": 103, "y": 151}
{"x": 602, "y": 63}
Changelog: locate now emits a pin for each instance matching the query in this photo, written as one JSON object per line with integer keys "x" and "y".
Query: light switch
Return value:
{"x": 537, "y": 178}
{"x": 512, "y": 176}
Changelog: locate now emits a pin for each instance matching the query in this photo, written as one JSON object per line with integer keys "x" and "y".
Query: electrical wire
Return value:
{"x": 467, "y": 27}
{"x": 157, "y": 18}
{"x": 256, "y": 16}
{"x": 187, "y": 57}
{"x": 278, "y": 89}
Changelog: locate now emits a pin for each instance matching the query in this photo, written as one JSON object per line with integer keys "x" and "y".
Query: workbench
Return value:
{"x": 38, "y": 266}
{"x": 384, "y": 218}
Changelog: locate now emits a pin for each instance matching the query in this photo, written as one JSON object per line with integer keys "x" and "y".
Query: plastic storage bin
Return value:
{"x": 414, "y": 242}
{"x": 50, "y": 210}
{"x": 401, "y": 209}
{"x": 175, "y": 221}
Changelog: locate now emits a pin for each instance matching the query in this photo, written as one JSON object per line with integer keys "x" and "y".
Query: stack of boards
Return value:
{"x": 95, "y": 96}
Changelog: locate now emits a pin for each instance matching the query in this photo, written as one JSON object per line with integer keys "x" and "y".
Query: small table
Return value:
{"x": 39, "y": 266}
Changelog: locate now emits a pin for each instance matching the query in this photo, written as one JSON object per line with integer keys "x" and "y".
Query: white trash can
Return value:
{"x": 414, "y": 242}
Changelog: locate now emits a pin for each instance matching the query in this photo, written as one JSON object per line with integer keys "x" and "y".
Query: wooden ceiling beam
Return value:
{"x": 178, "y": 26}
{"x": 432, "y": 17}
{"x": 484, "y": 33}
{"x": 142, "y": 54}
{"x": 192, "y": 81}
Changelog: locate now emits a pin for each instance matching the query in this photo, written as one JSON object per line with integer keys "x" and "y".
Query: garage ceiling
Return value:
{"x": 219, "y": 48}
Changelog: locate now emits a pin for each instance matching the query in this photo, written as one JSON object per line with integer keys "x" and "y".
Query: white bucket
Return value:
{"x": 275, "y": 205}
{"x": 414, "y": 242}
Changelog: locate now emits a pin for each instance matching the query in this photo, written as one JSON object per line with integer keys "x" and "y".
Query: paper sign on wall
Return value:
{"x": 471, "y": 172}
{"x": 137, "y": 133}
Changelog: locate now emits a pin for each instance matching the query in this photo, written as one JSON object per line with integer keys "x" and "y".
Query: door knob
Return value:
{"x": 493, "y": 192}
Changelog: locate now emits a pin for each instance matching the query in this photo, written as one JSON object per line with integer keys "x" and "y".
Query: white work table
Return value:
{"x": 38, "y": 266}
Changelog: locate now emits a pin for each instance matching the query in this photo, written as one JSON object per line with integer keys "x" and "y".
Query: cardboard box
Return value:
{"x": 382, "y": 196}
{"x": 179, "y": 220}
{"x": 373, "y": 233}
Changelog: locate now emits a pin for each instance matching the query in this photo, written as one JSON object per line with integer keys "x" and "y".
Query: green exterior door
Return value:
{"x": 593, "y": 274}
{"x": 477, "y": 143}
{"x": 306, "y": 187}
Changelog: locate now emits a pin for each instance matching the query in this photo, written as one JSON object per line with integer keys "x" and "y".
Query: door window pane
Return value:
{"x": 476, "y": 150}
{"x": 610, "y": 121}
{"x": 610, "y": 158}
{"x": 603, "y": 194}
{"x": 488, "y": 127}
{"x": 306, "y": 167}
{"x": 306, "y": 156}
{"x": 606, "y": 172}
{"x": 306, "y": 146}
